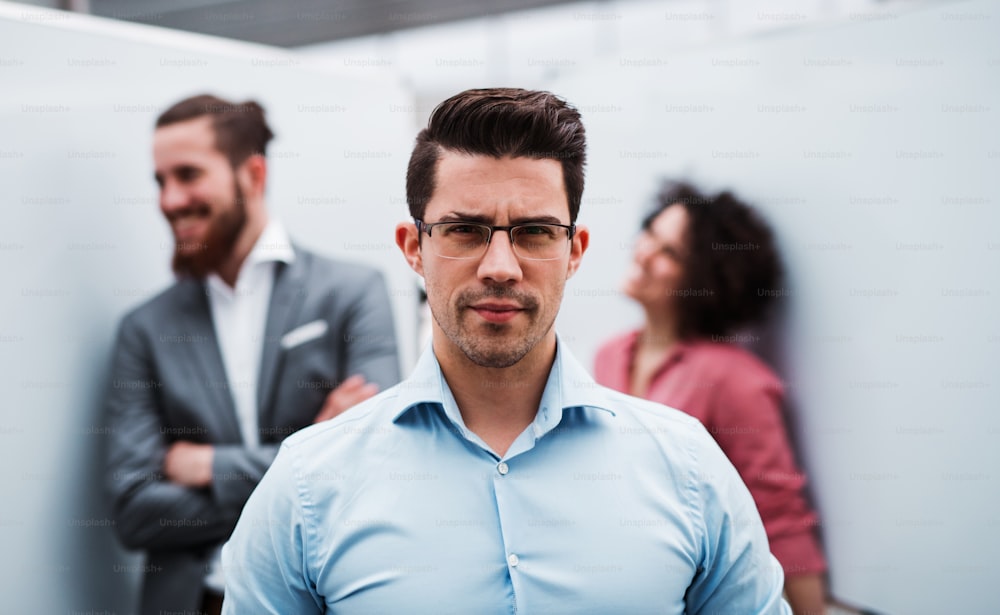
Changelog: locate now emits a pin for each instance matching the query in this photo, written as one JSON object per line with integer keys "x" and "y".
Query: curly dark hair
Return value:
{"x": 500, "y": 122}
{"x": 732, "y": 269}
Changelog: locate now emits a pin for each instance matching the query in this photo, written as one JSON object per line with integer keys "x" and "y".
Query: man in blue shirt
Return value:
{"x": 499, "y": 478}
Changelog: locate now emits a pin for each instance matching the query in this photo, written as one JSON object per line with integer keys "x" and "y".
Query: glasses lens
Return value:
{"x": 540, "y": 241}
{"x": 460, "y": 240}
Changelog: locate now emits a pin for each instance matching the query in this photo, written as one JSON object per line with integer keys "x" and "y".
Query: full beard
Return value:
{"x": 497, "y": 347}
{"x": 200, "y": 260}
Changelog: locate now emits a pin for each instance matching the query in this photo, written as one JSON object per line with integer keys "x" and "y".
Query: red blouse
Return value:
{"x": 739, "y": 400}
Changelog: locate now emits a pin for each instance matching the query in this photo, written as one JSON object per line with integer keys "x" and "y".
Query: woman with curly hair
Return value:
{"x": 703, "y": 267}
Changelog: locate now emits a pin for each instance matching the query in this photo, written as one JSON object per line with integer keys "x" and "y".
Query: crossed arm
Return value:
{"x": 177, "y": 493}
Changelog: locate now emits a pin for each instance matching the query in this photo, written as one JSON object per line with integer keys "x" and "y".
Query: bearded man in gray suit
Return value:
{"x": 256, "y": 339}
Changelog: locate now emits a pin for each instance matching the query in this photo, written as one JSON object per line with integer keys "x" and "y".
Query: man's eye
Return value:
{"x": 188, "y": 174}
{"x": 539, "y": 230}
{"x": 463, "y": 229}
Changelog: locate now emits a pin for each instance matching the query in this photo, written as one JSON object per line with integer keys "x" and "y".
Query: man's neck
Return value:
{"x": 497, "y": 404}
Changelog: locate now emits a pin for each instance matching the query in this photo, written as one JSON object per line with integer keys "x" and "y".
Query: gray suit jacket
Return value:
{"x": 169, "y": 383}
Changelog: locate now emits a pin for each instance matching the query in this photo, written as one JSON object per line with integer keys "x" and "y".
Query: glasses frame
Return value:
{"x": 427, "y": 227}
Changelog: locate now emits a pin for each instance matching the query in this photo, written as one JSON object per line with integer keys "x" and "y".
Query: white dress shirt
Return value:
{"x": 239, "y": 315}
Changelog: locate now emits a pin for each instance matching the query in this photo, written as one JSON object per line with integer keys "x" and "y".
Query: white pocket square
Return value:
{"x": 303, "y": 334}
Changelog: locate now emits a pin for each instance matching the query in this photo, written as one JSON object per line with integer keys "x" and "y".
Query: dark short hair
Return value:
{"x": 499, "y": 122}
{"x": 731, "y": 263}
{"x": 240, "y": 128}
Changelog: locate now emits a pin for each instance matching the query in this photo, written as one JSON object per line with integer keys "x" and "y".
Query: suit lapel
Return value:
{"x": 286, "y": 300}
{"x": 207, "y": 359}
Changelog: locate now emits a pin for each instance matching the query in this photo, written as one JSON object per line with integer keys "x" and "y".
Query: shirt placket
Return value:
{"x": 504, "y": 481}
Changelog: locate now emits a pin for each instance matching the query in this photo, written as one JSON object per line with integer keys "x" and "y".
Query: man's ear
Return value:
{"x": 408, "y": 240}
{"x": 581, "y": 239}
{"x": 254, "y": 173}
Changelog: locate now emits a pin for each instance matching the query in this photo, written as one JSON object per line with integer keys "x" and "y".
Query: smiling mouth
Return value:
{"x": 188, "y": 213}
{"x": 188, "y": 228}
{"x": 187, "y": 221}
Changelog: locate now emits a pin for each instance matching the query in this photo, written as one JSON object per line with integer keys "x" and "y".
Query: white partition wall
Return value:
{"x": 82, "y": 240}
{"x": 874, "y": 148}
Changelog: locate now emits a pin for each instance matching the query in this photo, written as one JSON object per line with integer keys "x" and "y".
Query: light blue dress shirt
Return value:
{"x": 605, "y": 504}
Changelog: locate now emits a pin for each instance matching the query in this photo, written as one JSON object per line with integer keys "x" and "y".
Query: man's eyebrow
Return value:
{"x": 537, "y": 220}
{"x": 457, "y": 216}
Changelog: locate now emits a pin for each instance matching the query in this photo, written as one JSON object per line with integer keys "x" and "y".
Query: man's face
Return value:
{"x": 494, "y": 309}
{"x": 199, "y": 195}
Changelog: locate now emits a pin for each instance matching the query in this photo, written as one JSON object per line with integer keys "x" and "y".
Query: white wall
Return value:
{"x": 873, "y": 148}
{"x": 871, "y": 144}
{"x": 82, "y": 240}
{"x": 535, "y": 47}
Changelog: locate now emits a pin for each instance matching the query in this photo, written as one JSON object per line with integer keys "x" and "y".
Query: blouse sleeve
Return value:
{"x": 746, "y": 421}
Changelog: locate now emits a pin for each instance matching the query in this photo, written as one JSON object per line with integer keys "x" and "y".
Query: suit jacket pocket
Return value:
{"x": 304, "y": 333}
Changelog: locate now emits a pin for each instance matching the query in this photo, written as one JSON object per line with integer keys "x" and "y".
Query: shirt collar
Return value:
{"x": 273, "y": 246}
{"x": 569, "y": 386}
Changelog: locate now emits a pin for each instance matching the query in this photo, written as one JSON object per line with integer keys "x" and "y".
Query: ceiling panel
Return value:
{"x": 294, "y": 23}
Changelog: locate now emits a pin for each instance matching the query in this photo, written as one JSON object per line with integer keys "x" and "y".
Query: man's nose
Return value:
{"x": 500, "y": 263}
{"x": 173, "y": 197}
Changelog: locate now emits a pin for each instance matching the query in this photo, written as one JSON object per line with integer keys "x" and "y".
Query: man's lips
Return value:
{"x": 497, "y": 312}
{"x": 188, "y": 223}
{"x": 187, "y": 228}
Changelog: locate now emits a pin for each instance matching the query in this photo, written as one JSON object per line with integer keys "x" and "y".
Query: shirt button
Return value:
{"x": 512, "y": 560}
{"x": 502, "y": 468}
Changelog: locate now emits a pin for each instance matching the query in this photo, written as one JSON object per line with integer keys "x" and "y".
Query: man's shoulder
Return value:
{"x": 636, "y": 409}
{"x": 370, "y": 420}
{"x": 336, "y": 271}
{"x": 165, "y": 305}
{"x": 668, "y": 442}
{"x": 634, "y": 425}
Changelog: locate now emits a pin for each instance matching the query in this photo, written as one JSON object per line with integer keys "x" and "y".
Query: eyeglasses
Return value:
{"x": 534, "y": 241}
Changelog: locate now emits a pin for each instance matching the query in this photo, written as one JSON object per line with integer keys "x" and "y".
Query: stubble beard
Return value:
{"x": 499, "y": 347}
{"x": 223, "y": 232}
